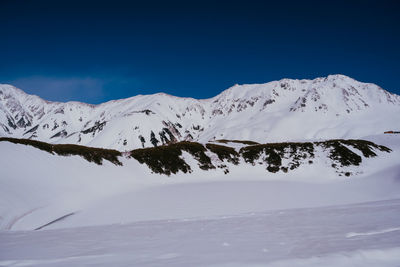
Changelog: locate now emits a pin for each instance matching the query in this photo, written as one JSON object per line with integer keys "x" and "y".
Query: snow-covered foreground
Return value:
{"x": 365, "y": 234}
{"x": 125, "y": 216}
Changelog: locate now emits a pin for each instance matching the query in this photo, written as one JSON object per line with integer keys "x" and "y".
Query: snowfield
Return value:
{"x": 87, "y": 214}
{"x": 294, "y": 237}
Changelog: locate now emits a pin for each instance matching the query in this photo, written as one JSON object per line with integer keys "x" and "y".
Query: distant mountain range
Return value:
{"x": 287, "y": 110}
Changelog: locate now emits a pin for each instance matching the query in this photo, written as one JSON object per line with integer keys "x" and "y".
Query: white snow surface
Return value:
{"x": 336, "y": 106}
{"x": 126, "y": 216}
{"x": 295, "y": 237}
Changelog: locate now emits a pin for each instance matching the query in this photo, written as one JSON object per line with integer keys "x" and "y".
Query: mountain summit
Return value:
{"x": 336, "y": 106}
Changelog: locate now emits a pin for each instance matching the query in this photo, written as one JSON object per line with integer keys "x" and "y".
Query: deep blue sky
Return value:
{"x": 94, "y": 51}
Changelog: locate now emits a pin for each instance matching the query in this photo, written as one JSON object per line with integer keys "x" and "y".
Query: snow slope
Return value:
{"x": 48, "y": 187}
{"x": 332, "y": 107}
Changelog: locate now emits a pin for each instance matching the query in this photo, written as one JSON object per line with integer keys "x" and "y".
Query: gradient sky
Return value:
{"x": 94, "y": 51}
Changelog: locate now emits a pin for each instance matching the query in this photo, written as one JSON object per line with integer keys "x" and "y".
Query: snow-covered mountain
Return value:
{"x": 333, "y": 107}
{"x": 237, "y": 202}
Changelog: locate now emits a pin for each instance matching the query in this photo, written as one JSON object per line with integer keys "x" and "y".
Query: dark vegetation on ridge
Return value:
{"x": 224, "y": 153}
{"x": 244, "y": 142}
{"x": 91, "y": 154}
{"x": 340, "y": 152}
{"x": 167, "y": 159}
{"x": 275, "y": 152}
{"x": 272, "y": 154}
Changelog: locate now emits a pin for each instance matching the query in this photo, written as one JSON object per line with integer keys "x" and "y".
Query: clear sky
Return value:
{"x": 94, "y": 51}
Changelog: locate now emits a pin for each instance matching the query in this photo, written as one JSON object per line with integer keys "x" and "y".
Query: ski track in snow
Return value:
{"x": 19, "y": 217}
{"x": 349, "y": 235}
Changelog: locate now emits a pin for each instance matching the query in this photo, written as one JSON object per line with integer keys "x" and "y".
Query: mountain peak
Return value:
{"x": 10, "y": 89}
{"x": 335, "y": 106}
{"x": 339, "y": 77}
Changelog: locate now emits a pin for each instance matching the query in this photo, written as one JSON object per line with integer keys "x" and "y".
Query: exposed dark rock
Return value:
{"x": 11, "y": 122}
{"x": 62, "y": 133}
{"x": 33, "y": 129}
{"x": 98, "y": 126}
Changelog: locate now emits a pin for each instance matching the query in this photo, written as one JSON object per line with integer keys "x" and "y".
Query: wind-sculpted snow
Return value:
{"x": 286, "y": 110}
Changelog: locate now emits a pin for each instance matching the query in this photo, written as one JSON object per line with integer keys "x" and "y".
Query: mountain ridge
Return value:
{"x": 335, "y": 106}
{"x": 329, "y": 77}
